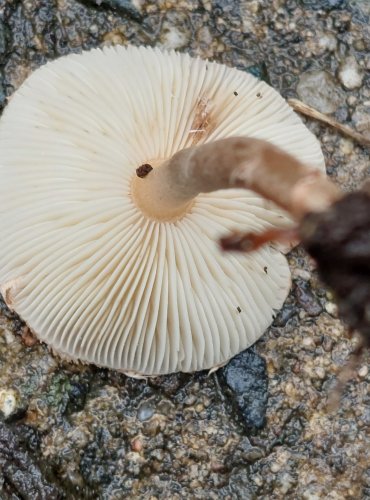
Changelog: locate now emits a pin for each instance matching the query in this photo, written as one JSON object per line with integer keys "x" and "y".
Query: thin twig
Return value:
{"x": 307, "y": 110}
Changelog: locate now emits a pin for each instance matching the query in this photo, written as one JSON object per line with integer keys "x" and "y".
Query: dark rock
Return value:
{"x": 98, "y": 463}
{"x": 77, "y": 396}
{"x": 2, "y": 95}
{"x": 19, "y": 475}
{"x": 246, "y": 452}
{"x": 3, "y": 41}
{"x": 17, "y": 323}
{"x": 170, "y": 384}
{"x": 123, "y": 7}
{"x": 305, "y": 298}
{"x": 58, "y": 392}
{"x": 28, "y": 437}
{"x": 222, "y": 7}
{"x": 285, "y": 314}
{"x": 259, "y": 71}
{"x": 246, "y": 379}
{"x": 239, "y": 486}
{"x": 326, "y": 5}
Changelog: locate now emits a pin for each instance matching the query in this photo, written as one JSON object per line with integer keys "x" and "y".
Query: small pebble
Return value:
{"x": 9, "y": 337}
{"x": 217, "y": 466}
{"x": 331, "y": 309}
{"x": 137, "y": 445}
{"x": 301, "y": 273}
{"x": 346, "y": 146}
{"x": 199, "y": 408}
{"x": 308, "y": 342}
{"x": 290, "y": 389}
{"x": 8, "y": 402}
{"x": 328, "y": 42}
{"x": 257, "y": 479}
{"x": 363, "y": 371}
{"x": 351, "y": 100}
{"x": 275, "y": 467}
{"x": 306, "y": 298}
{"x": 327, "y": 344}
{"x": 145, "y": 412}
{"x": 319, "y": 89}
{"x": 174, "y": 38}
{"x": 190, "y": 400}
{"x": 361, "y": 119}
{"x": 350, "y": 74}
{"x": 28, "y": 338}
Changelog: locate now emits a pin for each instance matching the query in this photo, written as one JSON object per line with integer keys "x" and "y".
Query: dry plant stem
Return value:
{"x": 168, "y": 191}
{"x": 307, "y": 110}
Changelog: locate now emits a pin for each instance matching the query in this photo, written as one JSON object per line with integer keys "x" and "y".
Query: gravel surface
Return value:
{"x": 258, "y": 428}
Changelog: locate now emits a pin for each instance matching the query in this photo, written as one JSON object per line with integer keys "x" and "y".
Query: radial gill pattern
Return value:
{"x": 90, "y": 274}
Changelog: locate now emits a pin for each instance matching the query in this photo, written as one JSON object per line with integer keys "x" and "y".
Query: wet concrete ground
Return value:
{"x": 71, "y": 431}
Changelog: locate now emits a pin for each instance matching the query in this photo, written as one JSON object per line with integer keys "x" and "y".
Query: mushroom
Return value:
{"x": 119, "y": 268}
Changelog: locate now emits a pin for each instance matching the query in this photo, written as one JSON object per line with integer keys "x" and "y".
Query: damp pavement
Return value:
{"x": 258, "y": 428}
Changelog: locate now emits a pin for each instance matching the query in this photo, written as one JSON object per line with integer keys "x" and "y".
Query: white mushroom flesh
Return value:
{"x": 91, "y": 275}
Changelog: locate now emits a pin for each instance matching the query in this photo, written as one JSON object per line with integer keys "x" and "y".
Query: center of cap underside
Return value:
{"x": 155, "y": 196}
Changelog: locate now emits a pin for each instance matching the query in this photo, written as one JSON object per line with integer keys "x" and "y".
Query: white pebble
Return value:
{"x": 331, "y": 308}
{"x": 350, "y": 74}
{"x": 9, "y": 337}
{"x": 302, "y": 273}
{"x": 8, "y": 401}
{"x": 363, "y": 371}
{"x": 173, "y": 38}
{"x": 275, "y": 467}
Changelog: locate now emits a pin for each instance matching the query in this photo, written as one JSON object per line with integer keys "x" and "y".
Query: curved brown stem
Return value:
{"x": 168, "y": 190}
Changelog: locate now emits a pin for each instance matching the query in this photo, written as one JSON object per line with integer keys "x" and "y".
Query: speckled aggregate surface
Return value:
{"x": 71, "y": 431}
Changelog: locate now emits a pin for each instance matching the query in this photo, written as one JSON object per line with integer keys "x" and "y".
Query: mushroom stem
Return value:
{"x": 168, "y": 191}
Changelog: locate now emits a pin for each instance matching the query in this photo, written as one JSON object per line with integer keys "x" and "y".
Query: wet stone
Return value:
{"x": 326, "y": 5}
{"x": 145, "y": 411}
{"x": 285, "y": 314}
{"x": 77, "y": 396}
{"x": 246, "y": 379}
{"x": 12, "y": 408}
{"x": 124, "y": 7}
{"x": 19, "y": 474}
{"x": 306, "y": 299}
{"x": 350, "y": 74}
{"x": 3, "y": 42}
{"x": 170, "y": 384}
{"x": 361, "y": 119}
{"x": 319, "y": 89}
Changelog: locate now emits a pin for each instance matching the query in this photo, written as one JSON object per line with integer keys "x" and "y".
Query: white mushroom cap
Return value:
{"x": 93, "y": 276}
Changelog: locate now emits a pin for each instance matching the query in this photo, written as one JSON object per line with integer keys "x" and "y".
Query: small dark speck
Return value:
{"x": 235, "y": 93}
{"x": 265, "y": 269}
{"x": 259, "y": 95}
{"x": 144, "y": 170}
{"x": 238, "y": 309}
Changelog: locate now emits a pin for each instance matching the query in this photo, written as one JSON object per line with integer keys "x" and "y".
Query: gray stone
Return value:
{"x": 350, "y": 74}
{"x": 246, "y": 377}
{"x": 319, "y": 89}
